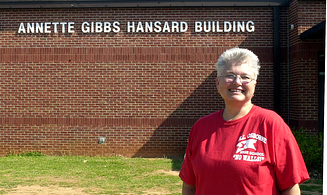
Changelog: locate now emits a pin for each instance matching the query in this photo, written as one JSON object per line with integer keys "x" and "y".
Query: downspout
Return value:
{"x": 288, "y": 71}
{"x": 277, "y": 60}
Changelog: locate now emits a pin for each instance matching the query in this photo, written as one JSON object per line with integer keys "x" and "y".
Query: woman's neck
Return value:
{"x": 234, "y": 112}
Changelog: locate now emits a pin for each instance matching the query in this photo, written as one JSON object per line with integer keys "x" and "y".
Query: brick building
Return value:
{"x": 138, "y": 74}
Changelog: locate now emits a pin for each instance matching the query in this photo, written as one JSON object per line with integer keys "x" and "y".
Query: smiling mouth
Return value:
{"x": 236, "y": 90}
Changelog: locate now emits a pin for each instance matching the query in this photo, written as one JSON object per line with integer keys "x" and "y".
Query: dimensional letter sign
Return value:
{"x": 137, "y": 27}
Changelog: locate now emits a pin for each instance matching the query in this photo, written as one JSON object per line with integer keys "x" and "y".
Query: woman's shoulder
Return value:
{"x": 209, "y": 119}
{"x": 266, "y": 114}
{"x": 212, "y": 116}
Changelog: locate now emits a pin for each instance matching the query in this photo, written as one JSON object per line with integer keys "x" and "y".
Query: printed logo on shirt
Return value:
{"x": 242, "y": 145}
{"x": 246, "y": 148}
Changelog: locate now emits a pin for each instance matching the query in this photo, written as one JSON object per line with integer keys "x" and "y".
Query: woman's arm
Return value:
{"x": 188, "y": 189}
{"x": 293, "y": 190}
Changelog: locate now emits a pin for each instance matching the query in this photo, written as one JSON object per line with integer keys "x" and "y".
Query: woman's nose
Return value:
{"x": 238, "y": 80}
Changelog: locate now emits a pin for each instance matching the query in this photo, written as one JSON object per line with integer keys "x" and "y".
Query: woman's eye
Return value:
{"x": 230, "y": 76}
{"x": 245, "y": 77}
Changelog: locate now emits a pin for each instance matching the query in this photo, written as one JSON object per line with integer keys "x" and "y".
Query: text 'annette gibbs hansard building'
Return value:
{"x": 131, "y": 77}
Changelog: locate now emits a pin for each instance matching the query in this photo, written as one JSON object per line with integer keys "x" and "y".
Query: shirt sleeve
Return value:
{"x": 290, "y": 168}
{"x": 187, "y": 174}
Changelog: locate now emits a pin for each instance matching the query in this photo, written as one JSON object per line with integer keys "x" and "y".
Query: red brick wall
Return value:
{"x": 142, "y": 91}
{"x": 304, "y": 64}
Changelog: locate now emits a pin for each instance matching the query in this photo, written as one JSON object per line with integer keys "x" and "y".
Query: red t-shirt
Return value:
{"x": 256, "y": 154}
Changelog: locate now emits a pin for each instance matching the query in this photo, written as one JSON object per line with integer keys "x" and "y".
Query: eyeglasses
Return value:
{"x": 231, "y": 78}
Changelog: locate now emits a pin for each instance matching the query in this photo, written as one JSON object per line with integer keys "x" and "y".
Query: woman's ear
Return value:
{"x": 255, "y": 84}
{"x": 217, "y": 83}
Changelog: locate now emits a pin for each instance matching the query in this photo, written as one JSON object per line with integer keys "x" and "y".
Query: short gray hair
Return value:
{"x": 239, "y": 55}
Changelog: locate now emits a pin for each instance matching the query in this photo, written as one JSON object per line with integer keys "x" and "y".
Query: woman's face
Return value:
{"x": 236, "y": 90}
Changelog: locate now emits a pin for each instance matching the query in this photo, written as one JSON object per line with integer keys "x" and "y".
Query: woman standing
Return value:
{"x": 242, "y": 149}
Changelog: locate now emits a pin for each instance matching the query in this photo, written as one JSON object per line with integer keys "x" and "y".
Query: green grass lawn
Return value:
{"x": 90, "y": 175}
{"x": 97, "y": 175}
{"x": 312, "y": 187}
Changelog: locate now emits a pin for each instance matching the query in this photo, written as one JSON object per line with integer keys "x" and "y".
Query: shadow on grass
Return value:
{"x": 177, "y": 164}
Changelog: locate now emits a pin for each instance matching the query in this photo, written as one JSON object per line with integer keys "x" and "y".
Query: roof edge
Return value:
{"x": 149, "y": 3}
{"x": 315, "y": 31}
